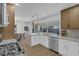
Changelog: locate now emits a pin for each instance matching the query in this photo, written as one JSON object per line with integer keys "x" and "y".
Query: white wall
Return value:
{"x": 20, "y": 26}
{"x": 53, "y": 20}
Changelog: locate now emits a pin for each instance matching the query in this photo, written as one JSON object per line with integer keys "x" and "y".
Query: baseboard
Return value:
{"x": 55, "y": 52}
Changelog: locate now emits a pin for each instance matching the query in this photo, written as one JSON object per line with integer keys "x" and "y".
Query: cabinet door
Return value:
{"x": 45, "y": 41}
{"x": 34, "y": 40}
{"x": 61, "y": 46}
{"x": 74, "y": 17}
{"x": 65, "y": 19}
{"x": 72, "y": 48}
{"x": 64, "y": 48}
{"x": 42, "y": 40}
{"x": 70, "y": 18}
{"x": 76, "y": 49}
{"x": 68, "y": 48}
{"x": 8, "y": 32}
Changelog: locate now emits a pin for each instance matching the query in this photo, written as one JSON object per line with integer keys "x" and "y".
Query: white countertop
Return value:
{"x": 74, "y": 39}
{"x": 8, "y": 41}
{"x": 71, "y": 39}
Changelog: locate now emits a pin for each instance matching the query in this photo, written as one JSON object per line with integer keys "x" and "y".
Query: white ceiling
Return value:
{"x": 25, "y": 11}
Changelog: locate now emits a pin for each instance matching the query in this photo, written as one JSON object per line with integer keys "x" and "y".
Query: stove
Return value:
{"x": 11, "y": 49}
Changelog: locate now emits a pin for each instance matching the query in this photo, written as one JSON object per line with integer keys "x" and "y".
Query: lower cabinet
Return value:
{"x": 34, "y": 40}
{"x": 44, "y": 41}
{"x": 68, "y": 48}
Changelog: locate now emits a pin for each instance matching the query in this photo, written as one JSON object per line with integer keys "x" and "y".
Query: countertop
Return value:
{"x": 73, "y": 39}
{"x": 70, "y": 38}
{"x": 8, "y": 41}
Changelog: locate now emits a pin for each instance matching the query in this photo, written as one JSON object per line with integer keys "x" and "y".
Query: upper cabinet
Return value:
{"x": 3, "y": 15}
{"x": 8, "y": 31}
{"x": 65, "y": 19}
{"x": 70, "y": 18}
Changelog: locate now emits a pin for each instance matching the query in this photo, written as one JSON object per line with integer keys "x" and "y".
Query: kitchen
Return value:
{"x": 40, "y": 24}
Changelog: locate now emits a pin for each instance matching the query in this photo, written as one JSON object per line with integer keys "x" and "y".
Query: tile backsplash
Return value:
{"x": 74, "y": 33}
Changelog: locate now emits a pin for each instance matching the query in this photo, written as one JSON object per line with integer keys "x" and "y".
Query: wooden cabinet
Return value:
{"x": 70, "y": 18}
{"x": 8, "y": 32}
{"x": 65, "y": 19}
{"x": 68, "y": 48}
{"x": 74, "y": 17}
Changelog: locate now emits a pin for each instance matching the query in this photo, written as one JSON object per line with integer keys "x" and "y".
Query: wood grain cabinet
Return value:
{"x": 65, "y": 19}
{"x": 8, "y": 32}
{"x": 70, "y": 18}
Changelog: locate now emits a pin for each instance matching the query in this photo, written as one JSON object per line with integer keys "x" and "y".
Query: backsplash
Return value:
{"x": 74, "y": 33}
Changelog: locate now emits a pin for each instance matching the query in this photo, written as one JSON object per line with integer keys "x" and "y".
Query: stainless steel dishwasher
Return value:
{"x": 53, "y": 43}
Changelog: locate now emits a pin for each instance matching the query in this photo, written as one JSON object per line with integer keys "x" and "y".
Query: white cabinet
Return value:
{"x": 34, "y": 40}
{"x": 44, "y": 41}
{"x": 3, "y": 15}
{"x": 61, "y": 47}
{"x": 68, "y": 48}
{"x": 40, "y": 39}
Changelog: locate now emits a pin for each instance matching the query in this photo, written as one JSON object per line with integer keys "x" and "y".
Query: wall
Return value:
{"x": 73, "y": 33}
{"x": 20, "y": 26}
{"x": 53, "y": 20}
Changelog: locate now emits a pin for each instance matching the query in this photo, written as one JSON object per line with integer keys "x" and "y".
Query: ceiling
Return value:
{"x": 30, "y": 11}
